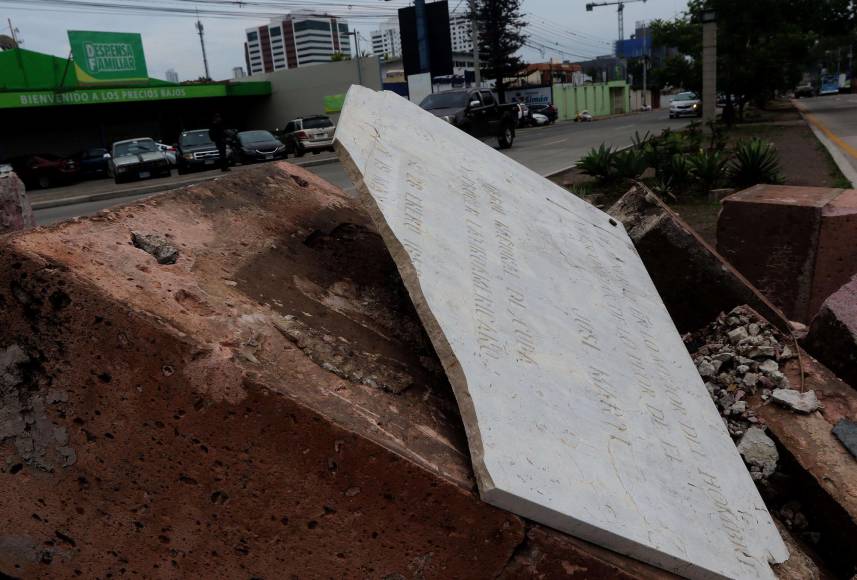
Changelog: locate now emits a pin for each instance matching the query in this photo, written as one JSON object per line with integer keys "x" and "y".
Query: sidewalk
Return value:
{"x": 104, "y": 189}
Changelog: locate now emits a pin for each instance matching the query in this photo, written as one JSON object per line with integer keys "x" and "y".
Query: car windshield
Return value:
{"x": 317, "y": 123}
{"x": 134, "y": 147}
{"x": 255, "y": 136}
{"x": 685, "y": 97}
{"x": 444, "y": 101}
{"x": 192, "y": 138}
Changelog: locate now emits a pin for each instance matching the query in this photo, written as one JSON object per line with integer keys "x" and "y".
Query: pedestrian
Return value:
{"x": 217, "y": 133}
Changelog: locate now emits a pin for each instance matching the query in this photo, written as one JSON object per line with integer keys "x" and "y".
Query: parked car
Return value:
{"x": 476, "y": 112}
{"x": 93, "y": 162}
{"x": 196, "y": 151}
{"x": 137, "y": 158}
{"x": 309, "y": 134}
{"x": 169, "y": 151}
{"x": 252, "y": 146}
{"x": 583, "y": 117}
{"x": 805, "y": 90}
{"x": 546, "y": 109}
{"x": 45, "y": 170}
{"x": 685, "y": 105}
{"x": 537, "y": 119}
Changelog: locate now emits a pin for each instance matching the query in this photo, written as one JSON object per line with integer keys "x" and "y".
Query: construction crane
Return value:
{"x": 620, "y": 9}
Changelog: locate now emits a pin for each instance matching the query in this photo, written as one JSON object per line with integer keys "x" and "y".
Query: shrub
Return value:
{"x": 641, "y": 141}
{"x": 598, "y": 163}
{"x": 677, "y": 170}
{"x": 755, "y": 161}
{"x": 629, "y": 164}
{"x": 708, "y": 167}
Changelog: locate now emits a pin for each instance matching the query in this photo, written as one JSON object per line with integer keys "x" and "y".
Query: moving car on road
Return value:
{"x": 252, "y": 146}
{"x": 685, "y": 105}
{"x": 45, "y": 170}
{"x": 137, "y": 159}
{"x": 309, "y": 134}
{"x": 196, "y": 151}
{"x": 476, "y": 112}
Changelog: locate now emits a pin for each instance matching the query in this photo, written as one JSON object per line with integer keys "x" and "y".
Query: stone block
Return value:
{"x": 694, "y": 281}
{"x": 795, "y": 244}
{"x": 156, "y": 421}
{"x": 558, "y": 347}
{"x": 832, "y": 336}
{"x": 15, "y": 211}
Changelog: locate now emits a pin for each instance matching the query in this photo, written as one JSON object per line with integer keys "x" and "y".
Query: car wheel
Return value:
{"x": 181, "y": 170}
{"x": 299, "y": 152}
{"x": 44, "y": 181}
{"x": 507, "y": 138}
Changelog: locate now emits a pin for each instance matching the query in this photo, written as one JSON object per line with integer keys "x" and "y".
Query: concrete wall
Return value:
{"x": 301, "y": 91}
{"x": 637, "y": 99}
{"x": 599, "y": 99}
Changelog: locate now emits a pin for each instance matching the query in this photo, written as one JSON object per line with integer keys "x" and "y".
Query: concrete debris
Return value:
{"x": 731, "y": 354}
{"x": 846, "y": 431}
{"x": 162, "y": 250}
{"x": 15, "y": 211}
{"x": 801, "y": 402}
{"x": 759, "y": 452}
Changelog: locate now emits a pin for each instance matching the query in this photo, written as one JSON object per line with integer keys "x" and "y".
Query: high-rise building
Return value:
{"x": 460, "y": 33}
{"x": 172, "y": 76}
{"x": 299, "y": 39}
{"x": 238, "y": 72}
{"x": 387, "y": 41}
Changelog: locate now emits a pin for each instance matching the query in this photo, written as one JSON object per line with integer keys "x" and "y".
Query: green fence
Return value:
{"x": 600, "y": 99}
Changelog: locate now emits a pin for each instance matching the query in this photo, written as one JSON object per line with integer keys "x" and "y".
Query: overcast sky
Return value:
{"x": 562, "y": 28}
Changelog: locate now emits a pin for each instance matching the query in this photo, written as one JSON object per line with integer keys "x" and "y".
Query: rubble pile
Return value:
{"x": 739, "y": 356}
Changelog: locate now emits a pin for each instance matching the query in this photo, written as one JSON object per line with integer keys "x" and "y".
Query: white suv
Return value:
{"x": 309, "y": 134}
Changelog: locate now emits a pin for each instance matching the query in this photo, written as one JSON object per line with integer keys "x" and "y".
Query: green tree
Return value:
{"x": 339, "y": 56}
{"x": 763, "y": 46}
{"x": 501, "y": 25}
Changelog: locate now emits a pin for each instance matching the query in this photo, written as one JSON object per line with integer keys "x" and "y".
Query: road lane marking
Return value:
{"x": 550, "y": 142}
{"x": 851, "y": 151}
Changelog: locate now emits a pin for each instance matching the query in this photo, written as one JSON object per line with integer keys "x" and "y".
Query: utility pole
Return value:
{"x": 357, "y": 58}
{"x": 645, "y": 63}
{"x": 201, "y": 31}
{"x": 14, "y": 35}
{"x": 474, "y": 37}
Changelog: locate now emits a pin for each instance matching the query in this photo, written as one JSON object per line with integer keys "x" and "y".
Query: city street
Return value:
{"x": 836, "y": 117}
{"x": 545, "y": 150}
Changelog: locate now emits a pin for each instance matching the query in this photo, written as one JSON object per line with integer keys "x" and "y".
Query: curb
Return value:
{"x": 107, "y": 195}
{"x": 820, "y": 131}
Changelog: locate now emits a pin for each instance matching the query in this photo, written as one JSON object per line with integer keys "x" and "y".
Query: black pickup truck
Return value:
{"x": 476, "y": 112}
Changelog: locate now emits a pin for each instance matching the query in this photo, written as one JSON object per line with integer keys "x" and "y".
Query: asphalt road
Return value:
{"x": 545, "y": 150}
{"x": 836, "y": 117}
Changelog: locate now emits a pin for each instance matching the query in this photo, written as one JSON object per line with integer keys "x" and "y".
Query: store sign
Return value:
{"x": 333, "y": 103}
{"x": 107, "y": 96}
{"x": 108, "y": 57}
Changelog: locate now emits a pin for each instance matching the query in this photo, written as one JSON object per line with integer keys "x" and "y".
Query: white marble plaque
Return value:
{"x": 582, "y": 407}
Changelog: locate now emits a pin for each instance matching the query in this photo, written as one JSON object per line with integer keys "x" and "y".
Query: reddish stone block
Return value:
{"x": 770, "y": 234}
{"x": 832, "y": 336}
{"x": 15, "y": 211}
{"x": 836, "y": 258}
{"x": 266, "y": 406}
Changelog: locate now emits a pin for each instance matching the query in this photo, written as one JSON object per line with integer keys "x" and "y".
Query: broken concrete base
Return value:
{"x": 15, "y": 211}
{"x": 204, "y": 442}
{"x": 695, "y": 283}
